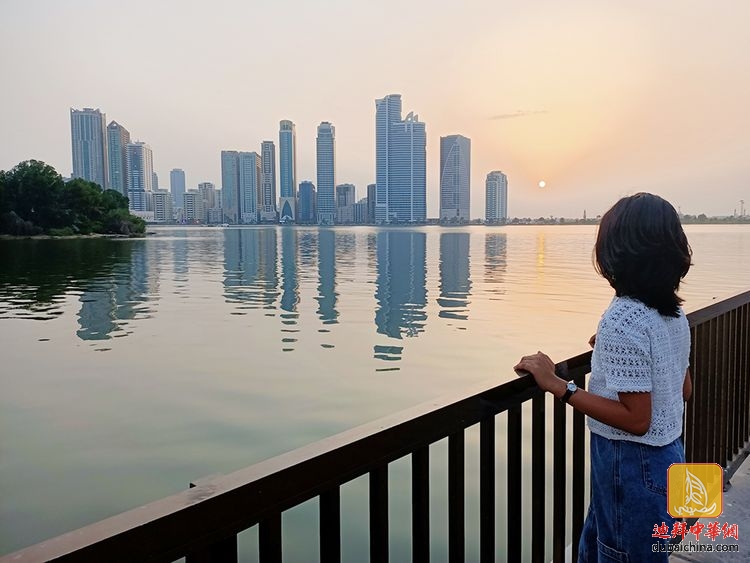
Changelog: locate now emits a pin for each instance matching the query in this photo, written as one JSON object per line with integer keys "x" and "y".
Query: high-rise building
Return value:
{"x": 360, "y": 212}
{"x": 400, "y": 164}
{"x": 307, "y": 198}
{"x": 140, "y": 166}
{"x": 249, "y": 185}
{"x": 496, "y": 208}
{"x": 371, "y": 198}
{"x": 345, "y": 199}
{"x": 177, "y": 185}
{"x": 193, "y": 210}
{"x": 154, "y": 181}
{"x": 118, "y": 139}
{"x": 267, "y": 196}
{"x": 208, "y": 194}
{"x": 455, "y": 178}
{"x": 88, "y": 134}
{"x": 326, "y": 159}
{"x": 230, "y": 186}
{"x": 163, "y": 212}
{"x": 287, "y": 171}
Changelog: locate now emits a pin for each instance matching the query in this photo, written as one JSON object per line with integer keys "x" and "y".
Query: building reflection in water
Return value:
{"x": 250, "y": 268}
{"x": 495, "y": 263}
{"x": 401, "y": 290}
{"x": 289, "y": 288}
{"x": 327, "y": 296}
{"x": 125, "y": 294}
{"x": 455, "y": 282}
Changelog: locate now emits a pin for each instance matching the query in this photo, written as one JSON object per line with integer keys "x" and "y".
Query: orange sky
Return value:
{"x": 598, "y": 98}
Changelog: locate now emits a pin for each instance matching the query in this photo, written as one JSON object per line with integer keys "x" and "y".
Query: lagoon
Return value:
{"x": 131, "y": 367}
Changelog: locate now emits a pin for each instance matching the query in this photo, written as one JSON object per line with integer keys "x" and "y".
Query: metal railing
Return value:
{"x": 202, "y": 522}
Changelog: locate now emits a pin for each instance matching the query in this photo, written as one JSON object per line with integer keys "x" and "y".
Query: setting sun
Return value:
{"x": 542, "y": 183}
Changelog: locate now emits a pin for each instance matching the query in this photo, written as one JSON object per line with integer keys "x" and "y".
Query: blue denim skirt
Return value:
{"x": 628, "y": 497}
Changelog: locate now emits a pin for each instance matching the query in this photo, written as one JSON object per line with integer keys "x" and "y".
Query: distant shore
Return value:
{"x": 69, "y": 237}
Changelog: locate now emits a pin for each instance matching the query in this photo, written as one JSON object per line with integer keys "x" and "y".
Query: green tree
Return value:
{"x": 32, "y": 190}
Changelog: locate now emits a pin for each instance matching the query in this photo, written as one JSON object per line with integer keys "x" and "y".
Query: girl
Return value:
{"x": 639, "y": 379}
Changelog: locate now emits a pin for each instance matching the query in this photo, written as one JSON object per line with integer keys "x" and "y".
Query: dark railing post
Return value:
{"x": 538, "y": 506}
{"x": 559, "y": 481}
{"x": 579, "y": 464}
{"x": 269, "y": 539}
{"x": 514, "y": 484}
{"x": 487, "y": 490}
{"x": 330, "y": 526}
{"x": 379, "y": 515}
{"x": 456, "y": 508}
{"x": 420, "y": 504}
{"x": 224, "y": 550}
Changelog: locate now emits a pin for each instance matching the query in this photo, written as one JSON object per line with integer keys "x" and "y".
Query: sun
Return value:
{"x": 542, "y": 183}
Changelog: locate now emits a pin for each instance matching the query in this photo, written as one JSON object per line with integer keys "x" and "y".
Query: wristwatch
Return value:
{"x": 570, "y": 388}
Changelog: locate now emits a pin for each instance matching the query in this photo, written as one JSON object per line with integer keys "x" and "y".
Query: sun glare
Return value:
{"x": 542, "y": 183}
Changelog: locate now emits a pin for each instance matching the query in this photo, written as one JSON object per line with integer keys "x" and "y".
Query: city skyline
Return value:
{"x": 598, "y": 100}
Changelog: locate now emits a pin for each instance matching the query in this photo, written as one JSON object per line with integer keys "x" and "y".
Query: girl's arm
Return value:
{"x": 687, "y": 386}
{"x": 632, "y": 413}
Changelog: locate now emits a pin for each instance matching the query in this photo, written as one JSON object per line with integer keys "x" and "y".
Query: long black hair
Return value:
{"x": 642, "y": 251}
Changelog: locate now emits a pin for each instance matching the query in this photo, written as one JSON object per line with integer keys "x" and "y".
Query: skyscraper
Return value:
{"x": 154, "y": 181}
{"x": 230, "y": 186}
{"x": 177, "y": 186}
{"x": 371, "y": 196}
{"x": 400, "y": 164}
{"x": 267, "y": 196}
{"x": 326, "y": 153}
{"x": 496, "y": 208}
{"x": 346, "y": 195}
{"x": 249, "y": 184}
{"x": 140, "y": 166}
{"x": 455, "y": 178}
{"x": 307, "y": 199}
{"x": 118, "y": 139}
{"x": 88, "y": 134}
{"x": 287, "y": 171}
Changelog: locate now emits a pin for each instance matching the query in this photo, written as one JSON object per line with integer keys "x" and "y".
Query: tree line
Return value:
{"x": 34, "y": 199}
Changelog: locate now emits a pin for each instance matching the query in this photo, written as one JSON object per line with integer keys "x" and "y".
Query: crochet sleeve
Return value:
{"x": 625, "y": 358}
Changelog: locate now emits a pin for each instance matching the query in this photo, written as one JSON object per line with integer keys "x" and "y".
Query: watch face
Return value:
{"x": 572, "y": 387}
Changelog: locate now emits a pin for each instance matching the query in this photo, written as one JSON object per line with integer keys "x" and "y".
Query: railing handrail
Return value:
{"x": 219, "y": 507}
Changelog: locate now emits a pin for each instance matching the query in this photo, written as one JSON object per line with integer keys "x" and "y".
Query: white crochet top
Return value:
{"x": 637, "y": 349}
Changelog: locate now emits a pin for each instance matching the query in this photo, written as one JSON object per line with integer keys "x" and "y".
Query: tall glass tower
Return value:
{"x": 118, "y": 139}
{"x": 287, "y": 171}
{"x": 140, "y": 164}
{"x": 326, "y": 152}
{"x": 177, "y": 186}
{"x": 230, "y": 186}
{"x": 88, "y": 134}
{"x": 455, "y": 178}
{"x": 267, "y": 194}
{"x": 400, "y": 164}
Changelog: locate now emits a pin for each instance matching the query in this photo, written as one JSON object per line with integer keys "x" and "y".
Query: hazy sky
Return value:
{"x": 599, "y": 98}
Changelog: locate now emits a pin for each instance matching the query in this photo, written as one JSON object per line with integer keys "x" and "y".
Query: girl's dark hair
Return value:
{"x": 642, "y": 251}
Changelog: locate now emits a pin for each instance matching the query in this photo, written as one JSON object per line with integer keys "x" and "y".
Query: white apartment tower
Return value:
{"x": 267, "y": 194}
{"x": 140, "y": 166}
{"x": 496, "y": 209}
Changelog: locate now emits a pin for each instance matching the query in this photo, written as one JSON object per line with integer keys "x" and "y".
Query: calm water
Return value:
{"x": 131, "y": 367}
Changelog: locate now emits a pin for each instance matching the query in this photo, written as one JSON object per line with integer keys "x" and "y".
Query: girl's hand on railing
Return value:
{"x": 592, "y": 340}
{"x": 542, "y": 369}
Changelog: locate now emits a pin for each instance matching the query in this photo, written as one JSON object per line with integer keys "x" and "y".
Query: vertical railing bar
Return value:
{"x": 716, "y": 395}
{"x": 487, "y": 490}
{"x": 330, "y": 526}
{"x": 456, "y": 494}
{"x": 515, "y": 483}
{"x": 420, "y": 502}
{"x": 734, "y": 387}
{"x": 702, "y": 391}
{"x": 578, "y": 470}
{"x": 538, "y": 506}
{"x": 745, "y": 371}
{"x": 269, "y": 539}
{"x": 559, "y": 482}
{"x": 723, "y": 376}
{"x": 379, "y": 515}
{"x": 689, "y": 434}
{"x": 222, "y": 550}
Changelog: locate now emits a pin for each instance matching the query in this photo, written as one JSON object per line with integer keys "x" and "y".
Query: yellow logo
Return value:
{"x": 695, "y": 490}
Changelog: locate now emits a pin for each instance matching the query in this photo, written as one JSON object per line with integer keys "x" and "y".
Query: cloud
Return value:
{"x": 518, "y": 113}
